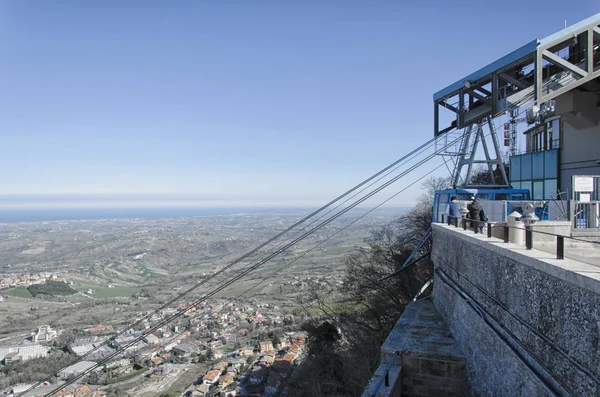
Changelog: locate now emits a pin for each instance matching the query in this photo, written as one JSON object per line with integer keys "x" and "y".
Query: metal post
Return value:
{"x": 456, "y": 222}
{"x": 489, "y": 229}
{"x": 443, "y": 218}
{"x": 560, "y": 247}
{"x": 505, "y": 233}
{"x": 387, "y": 378}
{"x": 528, "y": 237}
{"x": 464, "y": 224}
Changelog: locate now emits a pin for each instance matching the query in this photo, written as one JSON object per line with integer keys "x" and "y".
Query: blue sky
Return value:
{"x": 233, "y": 102}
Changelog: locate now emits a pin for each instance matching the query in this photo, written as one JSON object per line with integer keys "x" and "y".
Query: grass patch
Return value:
{"x": 100, "y": 291}
{"x": 339, "y": 250}
{"x": 19, "y": 292}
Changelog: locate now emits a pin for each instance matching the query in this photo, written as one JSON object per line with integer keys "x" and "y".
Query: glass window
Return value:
{"x": 538, "y": 190}
{"x": 538, "y": 165}
{"x": 501, "y": 196}
{"x": 483, "y": 196}
{"x": 526, "y": 185}
{"x": 555, "y": 133}
{"x": 516, "y": 185}
{"x": 515, "y": 168}
{"x": 526, "y": 167}
{"x": 550, "y": 189}
{"x": 551, "y": 164}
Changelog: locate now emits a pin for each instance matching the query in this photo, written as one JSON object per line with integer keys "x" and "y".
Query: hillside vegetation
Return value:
{"x": 52, "y": 288}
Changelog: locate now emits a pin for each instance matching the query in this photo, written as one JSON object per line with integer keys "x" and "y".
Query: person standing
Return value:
{"x": 475, "y": 211}
{"x": 454, "y": 208}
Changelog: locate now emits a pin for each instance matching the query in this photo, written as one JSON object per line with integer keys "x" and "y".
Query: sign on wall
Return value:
{"x": 583, "y": 183}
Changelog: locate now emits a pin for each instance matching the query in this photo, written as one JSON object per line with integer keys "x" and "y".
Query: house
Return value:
{"x": 266, "y": 346}
{"x": 217, "y": 354}
{"x": 44, "y": 334}
{"x": 203, "y": 390}
{"x": 226, "y": 381}
{"x": 156, "y": 361}
{"x": 170, "y": 346}
{"x": 151, "y": 339}
{"x": 221, "y": 365}
{"x": 242, "y": 332}
{"x": 238, "y": 362}
{"x": 79, "y": 391}
{"x": 211, "y": 377}
{"x": 231, "y": 372}
{"x": 11, "y": 357}
{"x": 85, "y": 391}
{"x": 64, "y": 393}
{"x": 184, "y": 349}
{"x": 246, "y": 351}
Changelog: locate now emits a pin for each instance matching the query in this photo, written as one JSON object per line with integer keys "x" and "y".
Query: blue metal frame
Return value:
{"x": 527, "y": 50}
{"x": 518, "y": 54}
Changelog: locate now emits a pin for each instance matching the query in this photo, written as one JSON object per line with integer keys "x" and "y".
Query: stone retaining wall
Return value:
{"x": 527, "y": 324}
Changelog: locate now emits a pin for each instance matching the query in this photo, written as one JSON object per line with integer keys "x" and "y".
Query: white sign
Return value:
{"x": 583, "y": 184}
{"x": 584, "y": 197}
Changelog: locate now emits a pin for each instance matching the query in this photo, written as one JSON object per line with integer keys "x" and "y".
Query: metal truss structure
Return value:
{"x": 536, "y": 73}
{"x": 474, "y": 137}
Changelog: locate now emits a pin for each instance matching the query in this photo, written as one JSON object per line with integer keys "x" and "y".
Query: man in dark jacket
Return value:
{"x": 475, "y": 211}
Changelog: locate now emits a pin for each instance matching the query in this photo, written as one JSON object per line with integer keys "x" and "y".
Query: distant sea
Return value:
{"x": 41, "y": 215}
{"x": 44, "y": 215}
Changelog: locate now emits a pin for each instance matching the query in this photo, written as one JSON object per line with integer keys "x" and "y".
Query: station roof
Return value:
{"x": 514, "y": 56}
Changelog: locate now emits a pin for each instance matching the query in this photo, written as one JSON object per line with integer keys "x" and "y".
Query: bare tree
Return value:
{"x": 365, "y": 308}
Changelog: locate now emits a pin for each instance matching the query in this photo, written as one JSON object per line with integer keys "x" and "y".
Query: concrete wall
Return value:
{"x": 580, "y": 136}
{"x": 527, "y": 324}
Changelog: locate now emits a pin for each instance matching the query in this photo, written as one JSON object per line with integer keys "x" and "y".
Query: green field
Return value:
{"x": 100, "y": 291}
{"x": 20, "y": 292}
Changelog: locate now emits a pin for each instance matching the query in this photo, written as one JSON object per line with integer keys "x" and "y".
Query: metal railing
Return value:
{"x": 529, "y": 231}
{"x": 586, "y": 215}
{"x": 386, "y": 377}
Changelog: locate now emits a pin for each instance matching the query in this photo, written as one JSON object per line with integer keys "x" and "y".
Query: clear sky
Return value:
{"x": 234, "y": 102}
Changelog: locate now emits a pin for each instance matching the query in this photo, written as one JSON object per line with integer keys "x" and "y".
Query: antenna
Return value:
{"x": 565, "y": 23}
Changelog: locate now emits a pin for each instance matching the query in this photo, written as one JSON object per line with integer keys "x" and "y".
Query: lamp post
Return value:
{"x": 528, "y": 219}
